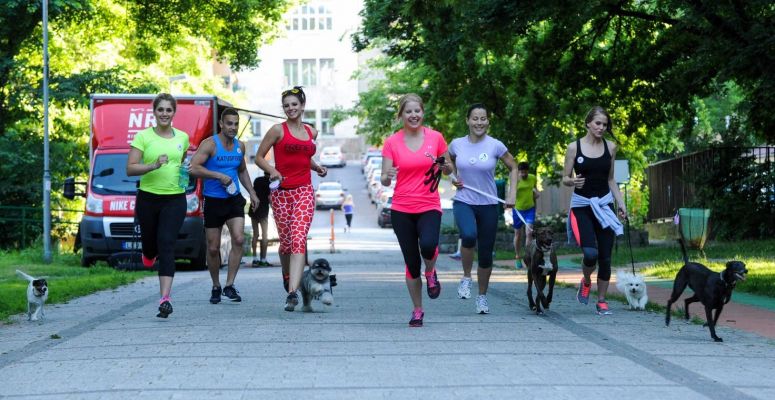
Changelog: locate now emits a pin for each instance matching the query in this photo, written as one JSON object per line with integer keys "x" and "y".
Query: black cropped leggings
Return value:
{"x": 418, "y": 236}
{"x": 596, "y": 243}
{"x": 160, "y": 218}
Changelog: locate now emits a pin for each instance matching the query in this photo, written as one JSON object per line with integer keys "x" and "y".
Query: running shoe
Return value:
{"x": 148, "y": 262}
{"x": 518, "y": 263}
{"x": 416, "y": 320}
{"x": 433, "y": 285}
{"x": 264, "y": 263}
{"x": 165, "y": 309}
{"x": 456, "y": 256}
{"x": 232, "y": 293}
{"x": 481, "y": 305}
{"x": 583, "y": 294}
{"x": 291, "y": 301}
{"x": 215, "y": 295}
{"x": 602, "y": 308}
{"x": 464, "y": 289}
{"x": 256, "y": 263}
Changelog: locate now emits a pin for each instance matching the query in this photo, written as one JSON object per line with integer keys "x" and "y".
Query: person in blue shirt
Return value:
{"x": 349, "y": 209}
{"x": 220, "y": 161}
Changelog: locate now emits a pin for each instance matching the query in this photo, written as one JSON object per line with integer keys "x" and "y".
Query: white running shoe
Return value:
{"x": 481, "y": 305}
{"x": 464, "y": 289}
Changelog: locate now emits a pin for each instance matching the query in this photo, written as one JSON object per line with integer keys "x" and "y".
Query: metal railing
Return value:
{"x": 29, "y": 220}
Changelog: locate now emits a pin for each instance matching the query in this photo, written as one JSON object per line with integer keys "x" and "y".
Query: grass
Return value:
{"x": 66, "y": 278}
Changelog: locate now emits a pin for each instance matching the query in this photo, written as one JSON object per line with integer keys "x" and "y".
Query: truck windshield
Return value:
{"x": 110, "y": 176}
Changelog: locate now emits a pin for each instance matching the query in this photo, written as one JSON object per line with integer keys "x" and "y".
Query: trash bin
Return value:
{"x": 693, "y": 226}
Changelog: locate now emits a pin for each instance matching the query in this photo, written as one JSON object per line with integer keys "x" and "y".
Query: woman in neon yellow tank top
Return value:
{"x": 156, "y": 155}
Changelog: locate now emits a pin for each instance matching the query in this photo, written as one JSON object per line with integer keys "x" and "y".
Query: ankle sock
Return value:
{"x": 163, "y": 299}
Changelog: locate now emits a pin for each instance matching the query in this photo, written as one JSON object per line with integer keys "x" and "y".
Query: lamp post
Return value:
{"x": 46, "y": 171}
{"x": 174, "y": 78}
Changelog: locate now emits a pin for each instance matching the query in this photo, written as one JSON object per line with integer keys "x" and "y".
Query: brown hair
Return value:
{"x": 406, "y": 99}
{"x": 165, "y": 96}
{"x": 599, "y": 110}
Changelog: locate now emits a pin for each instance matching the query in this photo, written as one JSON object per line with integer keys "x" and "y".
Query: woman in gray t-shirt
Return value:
{"x": 474, "y": 157}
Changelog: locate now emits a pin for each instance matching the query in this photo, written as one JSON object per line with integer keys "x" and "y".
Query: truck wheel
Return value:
{"x": 200, "y": 262}
{"x": 86, "y": 261}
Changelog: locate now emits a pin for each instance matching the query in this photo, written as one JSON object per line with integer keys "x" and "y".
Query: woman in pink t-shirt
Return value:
{"x": 416, "y": 208}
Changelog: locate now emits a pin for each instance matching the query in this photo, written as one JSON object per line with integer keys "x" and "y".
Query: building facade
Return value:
{"x": 314, "y": 51}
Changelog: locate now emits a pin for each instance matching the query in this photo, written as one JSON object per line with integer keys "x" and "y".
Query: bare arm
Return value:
{"x": 567, "y": 174}
{"x": 244, "y": 179}
{"x": 388, "y": 171}
{"x": 203, "y": 153}
{"x": 135, "y": 166}
{"x": 273, "y": 136}
{"x": 511, "y": 195}
{"x": 613, "y": 186}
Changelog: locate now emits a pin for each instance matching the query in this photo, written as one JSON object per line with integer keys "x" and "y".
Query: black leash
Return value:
{"x": 629, "y": 242}
{"x": 434, "y": 174}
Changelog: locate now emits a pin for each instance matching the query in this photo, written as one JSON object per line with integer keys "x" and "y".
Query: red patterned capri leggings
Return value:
{"x": 293, "y": 210}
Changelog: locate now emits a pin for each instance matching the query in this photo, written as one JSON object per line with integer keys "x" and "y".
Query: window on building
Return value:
{"x": 326, "y": 127}
{"x": 291, "y": 72}
{"x": 326, "y": 72}
{"x": 310, "y": 117}
{"x": 255, "y": 127}
{"x": 309, "y": 72}
{"x": 310, "y": 18}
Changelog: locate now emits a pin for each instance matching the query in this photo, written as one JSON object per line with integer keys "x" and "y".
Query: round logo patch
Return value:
{"x": 483, "y": 157}
{"x": 580, "y": 160}
{"x": 239, "y": 150}
{"x": 180, "y": 147}
{"x": 472, "y": 160}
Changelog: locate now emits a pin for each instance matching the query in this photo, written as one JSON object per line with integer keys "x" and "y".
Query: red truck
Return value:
{"x": 107, "y": 226}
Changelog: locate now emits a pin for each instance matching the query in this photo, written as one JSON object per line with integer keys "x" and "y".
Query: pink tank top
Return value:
{"x": 292, "y": 158}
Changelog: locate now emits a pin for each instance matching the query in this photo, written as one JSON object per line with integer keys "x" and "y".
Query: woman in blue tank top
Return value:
{"x": 589, "y": 168}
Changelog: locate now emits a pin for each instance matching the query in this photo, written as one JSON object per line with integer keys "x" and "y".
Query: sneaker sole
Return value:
{"x": 213, "y": 301}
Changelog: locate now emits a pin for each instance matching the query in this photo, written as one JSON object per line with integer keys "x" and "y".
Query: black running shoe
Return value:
{"x": 232, "y": 293}
{"x": 291, "y": 301}
{"x": 215, "y": 296}
{"x": 416, "y": 321}
{"x": 165, "y": 309}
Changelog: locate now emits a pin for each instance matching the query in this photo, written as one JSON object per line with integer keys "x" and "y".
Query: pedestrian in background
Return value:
{"x": 408, "y": 156}
{"x": 526, "y": 195}
{"x": 259, "y": 218}
{"x": 156, "y": 155}
{"x": 589, "y": 169}
{"x": 474, "y": 158}
{"x": 348, "y": 206}
{"x": 293, "y": 203}
{"x": 220, "y": 161}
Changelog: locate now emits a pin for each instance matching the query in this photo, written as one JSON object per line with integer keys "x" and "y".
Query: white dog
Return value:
{"x": 37, "y": 294}
{"x": 634, "y": 288}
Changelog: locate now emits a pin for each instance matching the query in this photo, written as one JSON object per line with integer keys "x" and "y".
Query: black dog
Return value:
{"x": 712, "y": 289}
{"x": 539, "y": 253}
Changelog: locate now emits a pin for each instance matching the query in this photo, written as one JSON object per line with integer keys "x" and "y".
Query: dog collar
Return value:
{"x": 721, "y": 275}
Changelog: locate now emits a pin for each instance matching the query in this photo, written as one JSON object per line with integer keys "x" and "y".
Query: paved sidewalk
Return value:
{"x": 111, "y": 346}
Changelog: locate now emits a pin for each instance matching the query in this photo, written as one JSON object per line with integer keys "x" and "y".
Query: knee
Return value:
{"x": 213, "y": 250}
{"x": 428, "y": 252}
{"x": 590, "y": 256}
{"x": 468, "y": 240}
{"x": 238, "y": 241}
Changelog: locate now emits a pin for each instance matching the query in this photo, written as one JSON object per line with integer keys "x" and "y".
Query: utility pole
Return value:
{"x": 46, "y": 171}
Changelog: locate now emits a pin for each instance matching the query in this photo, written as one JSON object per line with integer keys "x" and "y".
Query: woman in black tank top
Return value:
{"x": 589, "y": 168}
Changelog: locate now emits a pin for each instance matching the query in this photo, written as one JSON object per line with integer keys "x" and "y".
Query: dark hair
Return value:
{"x": 523, "y": 166}
{"x": 599, "y": 110}
{"x": 165, "y": 96}
{"x": 295, "y": 91}
{"x": 406, "y": 99}
{"x": 475, "y": 106}
{"x": 229, "y": 111}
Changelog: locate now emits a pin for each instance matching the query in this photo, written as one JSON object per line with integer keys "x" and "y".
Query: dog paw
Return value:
{"x": 306, "y": 309}
{"x": 327, "y": 298}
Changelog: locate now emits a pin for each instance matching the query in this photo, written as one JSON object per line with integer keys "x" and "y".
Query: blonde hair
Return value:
{"x": 406, "y": 99}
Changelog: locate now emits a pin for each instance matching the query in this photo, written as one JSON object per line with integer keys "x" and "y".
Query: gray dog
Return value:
{"x": 712, "y": 289}
{"x": 316, "y": 284}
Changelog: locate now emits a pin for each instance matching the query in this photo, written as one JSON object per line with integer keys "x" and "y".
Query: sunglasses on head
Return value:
{"x": 291, "y": 91}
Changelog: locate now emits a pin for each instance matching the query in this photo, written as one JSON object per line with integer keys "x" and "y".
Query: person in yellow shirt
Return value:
{"x": 527, "y": 193}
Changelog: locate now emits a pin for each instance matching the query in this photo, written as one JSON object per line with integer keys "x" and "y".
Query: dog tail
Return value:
{"x": 24, "y": 276}
{"x": 683, "y": 250}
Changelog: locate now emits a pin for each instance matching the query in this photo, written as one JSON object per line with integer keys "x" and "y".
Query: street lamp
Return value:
{"x": 174, "y": 78}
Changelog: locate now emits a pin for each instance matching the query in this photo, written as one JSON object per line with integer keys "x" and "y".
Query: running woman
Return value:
{"x": 589, "y": 168}
{"x": 293, "y": 203}
{"x": 156, "y": 155}
{"x": 474, "y": 157}
{"x": 416, "y": 209}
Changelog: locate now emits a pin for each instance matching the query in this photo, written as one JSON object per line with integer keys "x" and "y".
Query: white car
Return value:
{"x": 331, "y": 156}
{"x": 373, "y": 162}
{"x": 329, "y": 195}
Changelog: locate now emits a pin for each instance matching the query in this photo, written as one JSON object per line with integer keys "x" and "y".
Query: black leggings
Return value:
{"x": 596, "y": 243}
{"x": 160, "y": 218}
{"x": 349, "y": 219}
{"x": 418, "y": 235}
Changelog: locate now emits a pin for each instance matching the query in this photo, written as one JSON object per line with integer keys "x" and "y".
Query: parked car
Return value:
{"x": 383, "y": 213}
{"x": 372, "y": 152}
{"x": 330, "y": 195}
{"x": 373, "y": 162}
{"x": 373, "y": 184}
{"x": 331, "y": 156}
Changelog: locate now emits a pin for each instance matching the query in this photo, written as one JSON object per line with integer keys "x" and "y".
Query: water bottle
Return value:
{"x": 232, "y": 188}
{"x": 183, "y": 176}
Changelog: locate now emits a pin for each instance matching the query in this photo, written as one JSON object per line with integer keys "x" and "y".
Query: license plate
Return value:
{"x": 131, "y": 245}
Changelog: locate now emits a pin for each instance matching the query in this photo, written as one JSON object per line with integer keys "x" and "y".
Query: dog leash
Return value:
{"x": 629, "y": 242}
{"x": 453, "y": 178}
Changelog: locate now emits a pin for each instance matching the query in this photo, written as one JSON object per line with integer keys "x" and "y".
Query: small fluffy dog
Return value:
{"x": 541, "y": 266}
{"x": 316, "y": 284}
{"x": 37, "y": 294}
{"x": 634, "y": 288}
